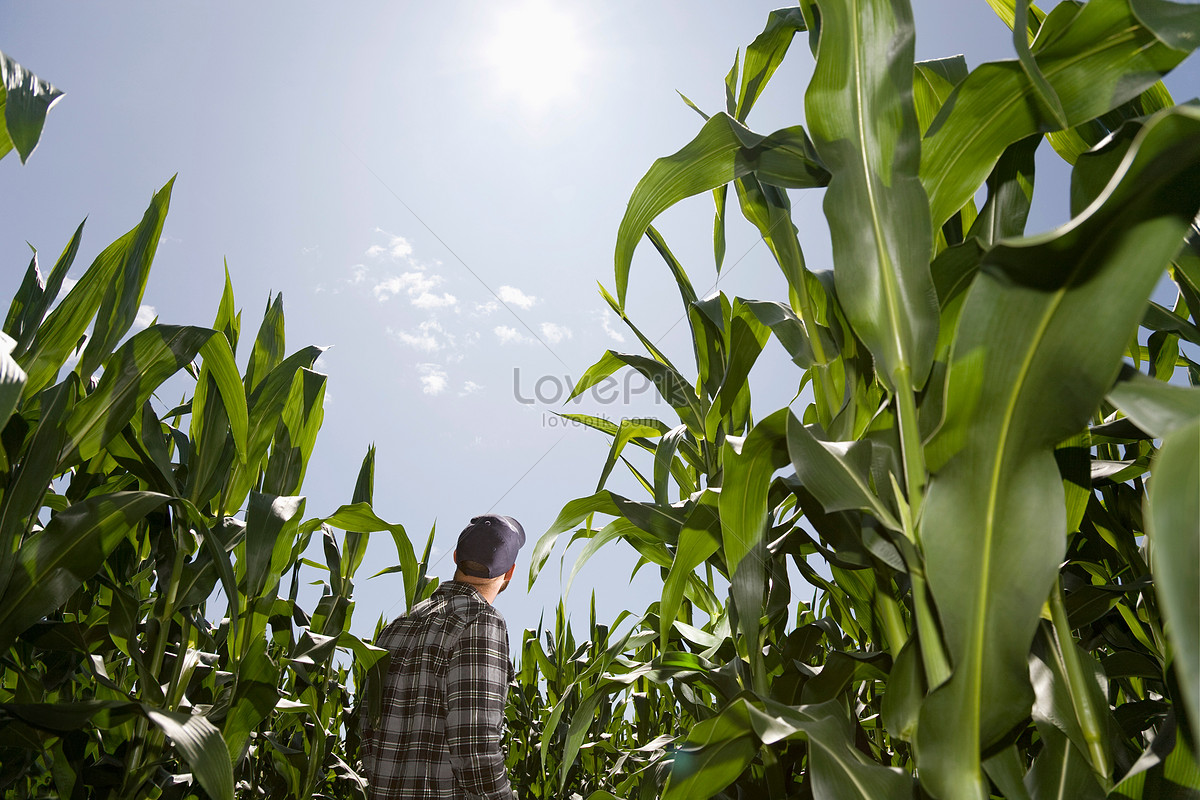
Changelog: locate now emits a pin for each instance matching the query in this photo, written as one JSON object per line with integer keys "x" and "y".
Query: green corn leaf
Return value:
{"x": 268, "y": 345}
{"x": 130, "y": 376}
{"x": 571, "y": 515}
{"x": 699, "y": 538}
{"x": 201, "y": 745}
{"x": 1061, "y": 772}
{"x": 1094, "y": 59}
{"x": 860, "y": 109}
{"x": 581, "y": 720}
{"x": 296, "y": 433}
{"x": 933, "y": 83}
{"x": 995, "y": 510}
{"x": 747, "y": 336}
{"x": 836, "y": 473}
{"x": 26, "y": 490}
{"x": 764, "y": 55}
{"x": 123, "y": 294}
{"x": 34, "y": 298}
{"x": 255, "y": 696}
{"x": 1043, "y": 92}
{"x": 271, "y": 528}
{"x": 229, "y": 319}
{"x": 360, "y": 517}
{"x": 749, "y": 466}
{"x": 364, "y": 492}
{"x": 669, "y": 384}
{"x": 787, "y": 328}
{"x": 53, "y": 563}
{"x": 720, "y": 749}
{"x": 1166, "y": 769}
{"x": 123, "y": 263}
{"x": 1172, "y": 512}
{"x": 265, "y": 404}
{"x": 627, "y": 430}
{"x": 12, "y": 382}
{"x": 1157, "y": 408}
{"x": 1010, "y": 194}
{"x": 769, "y": 209}
{"x": 25, "y": 102}
{"x": 724, "y": 149}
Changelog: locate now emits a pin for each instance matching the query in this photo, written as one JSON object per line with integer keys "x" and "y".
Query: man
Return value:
{"x": 443, "y": 698}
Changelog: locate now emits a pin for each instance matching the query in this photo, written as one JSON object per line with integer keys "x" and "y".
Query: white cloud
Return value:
{"x": 606, "y": 323}
{"x": 428, "y": 300}
{"x": 508, "y": 335}
{"x": 483, "y": 309}
{"x": 359, "y": 271}
{"x": 414, "y": 284}
{"x": 396, "y": 248}
{"x": 515, "y": 297}
{"x": 433, "y": 378}
{"x": 145, "y": 316}
{"x": 430, "y": 337}
{"x": 555, "y": 333}
{"x": 470, "y": 387}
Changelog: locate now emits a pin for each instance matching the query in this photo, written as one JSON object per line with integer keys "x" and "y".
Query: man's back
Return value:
{"x": 443, "y": 702}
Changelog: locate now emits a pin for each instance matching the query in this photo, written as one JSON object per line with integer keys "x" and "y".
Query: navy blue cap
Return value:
{"x": 490, "y": 541}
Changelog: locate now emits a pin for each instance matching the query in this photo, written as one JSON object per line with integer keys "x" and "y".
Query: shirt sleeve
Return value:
{"x": 476, "y": 688}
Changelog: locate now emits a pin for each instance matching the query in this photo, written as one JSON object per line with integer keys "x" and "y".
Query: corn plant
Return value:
{"x": 124, "y": 524}
{"x": 991, "y": 483}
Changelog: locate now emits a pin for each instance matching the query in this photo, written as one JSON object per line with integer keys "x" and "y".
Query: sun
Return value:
{"x": 535, "y": 54}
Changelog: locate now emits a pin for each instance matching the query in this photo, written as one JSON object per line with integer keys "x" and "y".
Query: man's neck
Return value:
{"x": 488, "y": 590}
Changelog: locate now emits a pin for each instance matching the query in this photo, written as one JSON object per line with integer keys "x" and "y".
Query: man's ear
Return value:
{"x": 508, "y": 575}
{"x": 456, "y": 557}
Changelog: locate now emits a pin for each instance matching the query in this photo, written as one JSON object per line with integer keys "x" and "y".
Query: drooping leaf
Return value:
{"x": 724, "y": 149}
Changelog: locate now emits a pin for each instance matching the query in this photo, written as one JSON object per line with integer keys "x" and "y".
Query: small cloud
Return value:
{"x": 484, "y": 309}
{"x": 555, "y": 333}
{"x": 470, "y": 387}
{"x": 515, "y": 297}
{"x": 414, "y": 284}
{"x": 145, "y": 317}
{"x": 310, "y": 250}
{"x": 358, "y": 273}
{"x": 429, "y": 337}
{"x": 427, "y": 300}
{"x": 433, "y": 378}
{"x": 508, "y": 335}
{"x": 606, "y": 323}
{"x": 396, "y": 248}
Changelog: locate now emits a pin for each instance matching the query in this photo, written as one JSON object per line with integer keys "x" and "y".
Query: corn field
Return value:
{"x": 988, "y": 482}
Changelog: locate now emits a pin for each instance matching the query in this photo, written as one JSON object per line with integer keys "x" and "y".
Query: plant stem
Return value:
{"x": 1077, "y": 685}
{"x": 937, "y": 665}
{"x": 889, "y": 613}
{"x": 910, "y": 441}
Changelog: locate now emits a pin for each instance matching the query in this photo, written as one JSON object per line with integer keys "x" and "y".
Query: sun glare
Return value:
{"x": 535, "y": 53}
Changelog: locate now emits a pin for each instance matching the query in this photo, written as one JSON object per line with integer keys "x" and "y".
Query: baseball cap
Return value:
{"x": 491, "y": 541}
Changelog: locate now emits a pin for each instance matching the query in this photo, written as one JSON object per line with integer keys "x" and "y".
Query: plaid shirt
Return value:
{"x": 443, "y": 702}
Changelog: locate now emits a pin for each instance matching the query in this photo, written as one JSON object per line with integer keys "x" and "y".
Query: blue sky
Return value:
{"x": 433, "y": 213}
